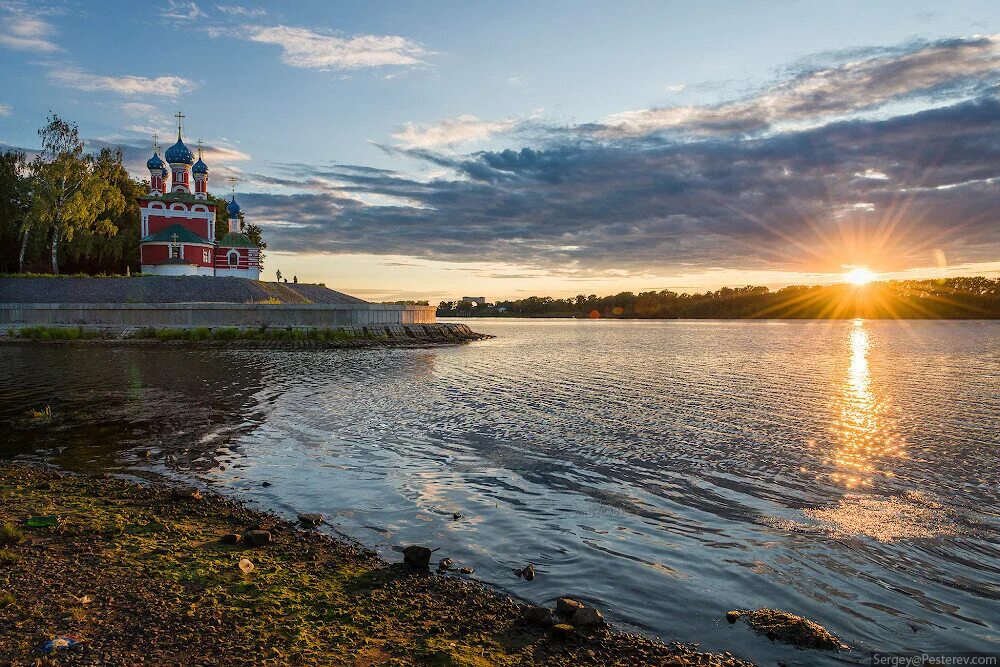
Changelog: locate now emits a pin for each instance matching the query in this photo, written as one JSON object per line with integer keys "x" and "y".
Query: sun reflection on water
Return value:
{"x": 864, "y": 435}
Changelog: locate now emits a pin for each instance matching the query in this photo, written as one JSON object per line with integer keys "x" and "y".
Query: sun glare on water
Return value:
{"x": 859, "y": 276}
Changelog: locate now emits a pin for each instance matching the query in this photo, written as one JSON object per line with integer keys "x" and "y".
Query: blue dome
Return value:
{"x": 233, "y": 208}
{"x": 179, "y": 153}
{"x": 199, "y": 167}
{"x": 155, "y": 162}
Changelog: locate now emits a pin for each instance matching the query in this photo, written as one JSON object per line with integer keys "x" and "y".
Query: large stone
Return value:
{"x": 185, "y": 493}
{"x": 257, "y": 538}
{"x": 311, "y": 520}
{"x": 567, "y": 606}
{"x": 562, "y": 631}
{"x": 787, "y": 628}
{"x": 417, "y": 557}
{"x": 587, "y": 617}
{"x": 231, "y": 538}
{"x": 539, "y": 616}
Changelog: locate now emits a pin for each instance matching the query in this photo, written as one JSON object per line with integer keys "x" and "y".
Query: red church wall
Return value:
{"x": 200, "y": 226}
{"x": 153, "y": 254}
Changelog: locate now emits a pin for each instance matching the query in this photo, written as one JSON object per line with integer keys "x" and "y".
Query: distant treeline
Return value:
{"x": 949, "y": 298}
{"x": 67, "y": 210}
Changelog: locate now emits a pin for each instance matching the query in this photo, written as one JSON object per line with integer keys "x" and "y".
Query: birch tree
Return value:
{"x": 71, "y": 190}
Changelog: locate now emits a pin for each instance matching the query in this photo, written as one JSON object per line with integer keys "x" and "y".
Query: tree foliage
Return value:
{"x": 68, "y": 210}
{"x": 949, "y": 298}
{"x": 72, "y": 191}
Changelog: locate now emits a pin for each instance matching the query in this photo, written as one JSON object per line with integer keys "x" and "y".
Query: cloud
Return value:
{"x": 449, "y": 131}
{"x": 238, "y": 10}
{"x": 5, "y": 109}
{"x": 302, "y": 47}
{"x": 183, "y": 12}
{"x": 138, "y": 109}
{"x": 129, "y": 85}
{"x": 790, "y": 200}
{"x": 217, "y": 153}
{"x": 675, "y": 88}
{"x": 26, "y": 31}
{"x": 938, "y": 69}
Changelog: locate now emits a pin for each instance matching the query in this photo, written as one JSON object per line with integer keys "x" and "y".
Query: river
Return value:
{"x": 665, "y": 471}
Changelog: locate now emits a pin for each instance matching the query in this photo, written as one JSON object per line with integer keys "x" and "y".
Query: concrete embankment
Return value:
{"x": 191, "y": 302}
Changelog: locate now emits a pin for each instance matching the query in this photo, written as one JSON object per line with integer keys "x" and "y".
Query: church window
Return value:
{"x": 233, "y": 258}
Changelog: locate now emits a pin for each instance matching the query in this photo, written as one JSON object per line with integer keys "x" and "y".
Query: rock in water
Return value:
{"x": 417, "y": 557}
{"x": 444, "y": 564}
{"x": 185, "y": 493}
{"x": 257, "y": 538}
{"x": 567, "y": 606}
{"x": 311, "y": 520}
{"x": 733, "y": 616}
{"x": 587, "y": 617}
{"x": 787, "y": 628}
{"x": 539, "y": 616}
{"x": 528, "y": 573}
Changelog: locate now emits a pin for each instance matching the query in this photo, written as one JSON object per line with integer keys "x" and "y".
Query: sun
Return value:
{"x": 859, "y": 275}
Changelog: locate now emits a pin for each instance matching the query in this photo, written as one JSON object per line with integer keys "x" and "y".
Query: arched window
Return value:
{"x": 233, "y": 258}
{"x": 199, "y": 207}
{"x": 157, "y": 204}
{"x": 177, "y": 207}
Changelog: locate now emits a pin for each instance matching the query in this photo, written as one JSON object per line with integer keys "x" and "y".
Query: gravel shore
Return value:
{"x": 122, "y": 573}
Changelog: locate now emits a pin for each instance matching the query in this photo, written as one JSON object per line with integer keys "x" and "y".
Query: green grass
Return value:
{"x": 10, "y": 534}
{"x": 233, "y": 334}
{"x": 53, "y": 333}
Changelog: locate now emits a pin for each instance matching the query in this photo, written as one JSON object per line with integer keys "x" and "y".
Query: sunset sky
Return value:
{"x": 442, "y": 149}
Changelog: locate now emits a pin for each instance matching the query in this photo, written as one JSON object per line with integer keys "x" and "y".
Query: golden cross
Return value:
{"x": 155, "y": 147}
{"x": 179, "y": 116}
{"x": 174, "y": 237}
{"x": 199, "y": 149}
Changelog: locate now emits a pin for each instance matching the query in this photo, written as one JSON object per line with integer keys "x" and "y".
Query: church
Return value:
{"x": 177, "y": 234}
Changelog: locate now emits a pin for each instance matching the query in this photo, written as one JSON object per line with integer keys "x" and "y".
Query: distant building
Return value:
{"x": 478, "y": 300}
{"x": 177, "y": 227}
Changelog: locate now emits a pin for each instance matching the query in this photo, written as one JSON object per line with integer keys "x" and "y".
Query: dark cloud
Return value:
{"x": 848, "y": 192}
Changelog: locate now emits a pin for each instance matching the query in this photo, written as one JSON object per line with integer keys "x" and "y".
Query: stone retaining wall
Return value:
{"x": 191, "y": 315}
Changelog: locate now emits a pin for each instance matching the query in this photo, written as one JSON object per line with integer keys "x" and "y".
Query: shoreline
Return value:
{"x": 410, "y": 335}
{"x": 145, "y": 571}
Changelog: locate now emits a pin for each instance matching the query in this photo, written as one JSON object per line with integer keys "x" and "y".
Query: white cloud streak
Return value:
{"x": 824, "y": 93}
{"x": 304, "y": 48}
{"x": 450, "y": 131}
{"x": 239, "y": 10}
{"x": 27, "y": 33}
{"x": 129, "y": 85}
